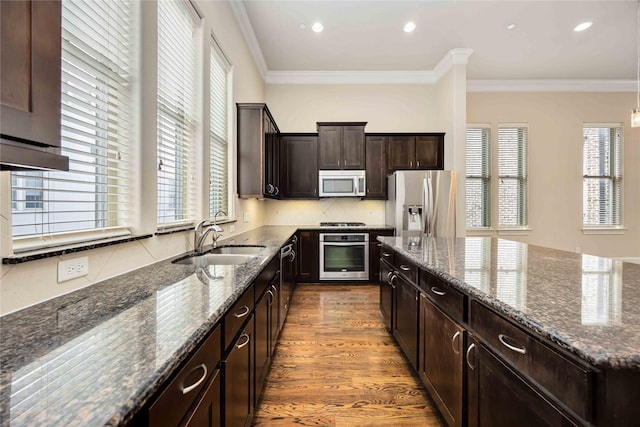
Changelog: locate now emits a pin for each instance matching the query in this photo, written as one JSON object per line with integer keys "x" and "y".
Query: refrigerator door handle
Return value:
{"x": 427, "y": 203}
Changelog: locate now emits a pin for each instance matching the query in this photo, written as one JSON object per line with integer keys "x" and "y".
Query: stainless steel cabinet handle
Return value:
{"x": 410, "y": 163}
{"x": 391, "y": 281}
{"x": 243, "y": 313}
{"x": 272, "y": 296}
{"x": 269, "y": 188}
{"x": 379, "y": 245}
{"x": 239, "y": 346}
{"x": 404, "y": 267}
{"x": 453, "y": 342}
{"x": 386, "y": 254}
{"x": 437, "y": 291}
{"x": 418, "y": 163}
{"x": 389, "y": 274}
{"x": 186, "y": 390}
{"x": 293, "y": 255}
{"x": 503, "y": 339}
{"x": 471, "y": 347}
{"x": 277, "y": 191}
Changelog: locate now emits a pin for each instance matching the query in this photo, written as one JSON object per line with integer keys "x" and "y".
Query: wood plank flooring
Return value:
{"x": 336, "y": 365}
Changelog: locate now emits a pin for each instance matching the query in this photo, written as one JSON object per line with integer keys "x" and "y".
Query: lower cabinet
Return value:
{"x": 386, "y": 294}
{"x": 375, "y": 248}
{"x": 441, "y": 360}
{"x": 405, "y": 318}
{"x": 238, "y": 379}
{"x": 308, "y": 256}
{"x": 207, "y": 413}
{"x": 499, "y": 397}
{"x": 261, "y": 340}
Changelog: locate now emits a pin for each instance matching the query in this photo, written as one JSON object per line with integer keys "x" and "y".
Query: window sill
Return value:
{"x": 514, "y": 231}
{"x": 480, "y": 232}
{"x": 70, "y": 248}
{"x": 603, "y": 230}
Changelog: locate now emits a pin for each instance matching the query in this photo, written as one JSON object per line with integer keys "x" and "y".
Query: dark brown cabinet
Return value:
{"x": 376, "y": 170}
{"x": 419, "y": 151}
{"x": 258, "y": 152}
{"x": 207, "y": 412}
{"x": 308, "y": 256}
{"x": 441, "y": 360}
{"x": 30, "y": 40}
{"x": 374, "y": 253}
{"x": 405, "y": 317}
{"x": 238, "y": 379}
{"x": 262, "y": 319}
{"x": 341, "y": 145}
{"x": 299, "y": 163}
{"x": 386, "y": 294}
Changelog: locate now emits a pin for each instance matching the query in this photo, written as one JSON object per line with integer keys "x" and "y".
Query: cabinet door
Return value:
{"x": 299, "y": 167}
{"x": 308, "y": 256}
{"x": 238, "y": 380}
{"x": 405, "y": 322}
{"x": 272, "y": 159}
{"x": 30, "y": 79}
{"x": 429, "y": 152}
{"x": 386, "y": 294}
{"x": 376, "y": 171}
{"x": 498, "y": 397}
{"x": 441, "y": 360}
{"x": 353, "y": 147}
{"x": 274, "y": 311}
{"x": 329, "y": 147}
{"x": 401, "y": 153}
{"x": 207, "y": 412}
{"x": 261, "y": 342}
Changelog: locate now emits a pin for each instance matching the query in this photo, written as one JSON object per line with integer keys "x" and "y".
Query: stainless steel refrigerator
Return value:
{"x": 422, "y": 203}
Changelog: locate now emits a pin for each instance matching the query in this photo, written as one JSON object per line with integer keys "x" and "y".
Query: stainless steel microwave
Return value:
{"x": 342, "y": 183}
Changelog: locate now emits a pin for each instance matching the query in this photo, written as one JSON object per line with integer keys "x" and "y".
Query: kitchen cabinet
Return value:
{"x": 499, "y": 397}
{"x": 238, "y": 378}
{"x": 171, "y": 405}
{"x": 415, "y": 151}
{"x": 405, "y": 317}
{"x": 299, "y": 163}
{"x": 374, "y": 253}
{"x": 341, "y": 145}
{"x": 262, "y": 319}
{"x": 441, "y": 364}
{"x": 308, "y": 256}
{"x": 288, "y": 271}
{"x": 376, "y": 167}
{"x": 207, "y": 412}
{"x": 30, "y": 40}
{"x": 258, "y": 152}
{"x": 386, "y": 294}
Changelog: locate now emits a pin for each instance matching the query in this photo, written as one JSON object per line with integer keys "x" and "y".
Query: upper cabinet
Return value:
{"x": 258, "y": 152}
{"x": 415, "y": 151}
{"x": 376, "y": 177}
{"x": 341, "y": 145}
{"x": 30, "y": 40}
{"x": 299, "y": 162}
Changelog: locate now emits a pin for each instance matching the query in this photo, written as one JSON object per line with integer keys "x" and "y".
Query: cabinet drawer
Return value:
{"x": 236, "y": 316}
{"x": 568, "y": 381}
{"x": 406, "y": 268}
{"x": 387, "y": 254}
{"x": 174, "y": 402}
{"x": 450, "y": 300}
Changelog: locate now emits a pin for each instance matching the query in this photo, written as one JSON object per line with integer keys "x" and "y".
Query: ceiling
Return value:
{"x": 368, "y": 36}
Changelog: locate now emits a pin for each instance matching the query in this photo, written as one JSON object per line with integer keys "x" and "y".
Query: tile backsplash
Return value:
{"x": 312, "y": 212}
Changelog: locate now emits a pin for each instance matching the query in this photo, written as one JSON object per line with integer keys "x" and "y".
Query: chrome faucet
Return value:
{"x": 203, "y": 229}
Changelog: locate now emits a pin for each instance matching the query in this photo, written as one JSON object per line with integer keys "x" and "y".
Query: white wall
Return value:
{"x": 555, "y": 163}
{"x": 28, "y": 283}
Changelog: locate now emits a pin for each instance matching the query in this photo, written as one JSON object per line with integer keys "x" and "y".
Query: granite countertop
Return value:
{"x": 95, "y": 356}
{"x": 586, "y": 304}
{"x": 318, "y": 227}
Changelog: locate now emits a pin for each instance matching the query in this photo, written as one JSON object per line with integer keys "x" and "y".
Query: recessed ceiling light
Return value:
{"x": 409, "y": 27}
{"x": 302, "y": 26}
{"x": 317, "y": 27}
{"x": 583, "y": 26}
{"x": 511, "y": 26}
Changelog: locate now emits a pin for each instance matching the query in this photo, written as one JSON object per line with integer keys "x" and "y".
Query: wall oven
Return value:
{"x": 344, "y": 256}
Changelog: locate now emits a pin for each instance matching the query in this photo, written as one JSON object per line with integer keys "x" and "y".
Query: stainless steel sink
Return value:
{"x": 240, "y": 250}
{"x": 214, "y": 259}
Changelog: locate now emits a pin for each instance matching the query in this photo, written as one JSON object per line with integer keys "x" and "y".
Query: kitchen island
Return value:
{"x": 566, "y": 324}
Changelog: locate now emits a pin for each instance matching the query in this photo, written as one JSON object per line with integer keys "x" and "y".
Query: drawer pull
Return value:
{"x": 391, "y": 281}
{"x": 404, "y": 267}
{"x": 453, "y": 342}
{"x": 239, "y": 346}
{"x": 503, "y": 339}
{"x": 437, "y": 291}
{"x": 469, "y": 364}
{"x": 243, "y": 313}
{"x": 193, "y": 386}
{"x": 386, "y": 254}
{"x": 272, "y": 296}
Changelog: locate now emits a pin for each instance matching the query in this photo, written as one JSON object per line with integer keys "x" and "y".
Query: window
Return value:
{"x": 478, "y": 183}
{"x": 219, "y": 133}
{"x": 177, "y": 103}
{"x": 602, "y": 175}
{"x": 96, "y": 73}
{"x": 512, "y": 176}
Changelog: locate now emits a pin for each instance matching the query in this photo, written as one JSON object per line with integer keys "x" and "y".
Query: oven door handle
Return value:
{"x": 343, "y": 243}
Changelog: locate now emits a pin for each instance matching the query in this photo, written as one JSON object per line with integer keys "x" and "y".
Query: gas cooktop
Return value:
{"x": 342, "y": 224}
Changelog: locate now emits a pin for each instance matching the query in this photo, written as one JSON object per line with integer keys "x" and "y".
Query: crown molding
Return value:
{"x": 459, "y": 56}
{"x": 566, "y": 85}
{"x": 250, "y": 36}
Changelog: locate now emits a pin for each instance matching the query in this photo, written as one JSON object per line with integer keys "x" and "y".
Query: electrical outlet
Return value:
{"x": 245, "y": 216}
{"x": 73, "y": 268}
{"x": 232, "y": 228}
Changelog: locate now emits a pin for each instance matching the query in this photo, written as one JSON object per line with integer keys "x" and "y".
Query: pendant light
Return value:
{"x": 635, "y": 113}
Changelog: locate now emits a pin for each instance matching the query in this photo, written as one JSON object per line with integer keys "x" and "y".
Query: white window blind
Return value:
{"x": 97, "y": 52}
{"x": 602, "y": 175}
{"x": 512, "y": 176}
{"x": 478, "y": 182}
{"x": 219, "y": 133}
{"x": 177, "y": 103}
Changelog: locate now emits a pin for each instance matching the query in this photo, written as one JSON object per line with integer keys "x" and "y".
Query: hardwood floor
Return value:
{"x": 336, "y": 365}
